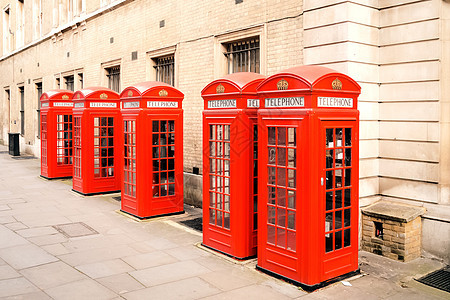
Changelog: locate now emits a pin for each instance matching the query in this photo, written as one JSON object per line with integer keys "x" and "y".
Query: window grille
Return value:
{"x": 243, "y": 56}
{"x": 69, "y": 82}
{"x": 113, "y": 75}
{"x": 165, "y": 69}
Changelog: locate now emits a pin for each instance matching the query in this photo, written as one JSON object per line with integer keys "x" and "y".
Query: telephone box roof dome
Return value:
{"x": 57, "y": 94}
{"x": 97, "y": 93}
{"x": 151, "y": 89}
{"x": 234, "y": 83}
{"x": 312, "y": 78}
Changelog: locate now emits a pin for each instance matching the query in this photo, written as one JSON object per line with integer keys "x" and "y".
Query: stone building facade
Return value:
{"x": 397, "y": 50}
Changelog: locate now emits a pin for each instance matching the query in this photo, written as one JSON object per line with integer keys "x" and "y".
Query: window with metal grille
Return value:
{"x": 22, "y": 110}
{"x": 69, "y": 80}
{"x": 243, "y": 56}
{"x": 165, "y": 69}
{"x": 113, "y": 75}
{"x": 38, "y": 111}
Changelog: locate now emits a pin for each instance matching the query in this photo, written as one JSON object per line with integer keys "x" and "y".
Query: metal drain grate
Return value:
{"x": 75, "y": 229}
{"x": 195, "y": 224}
{"x": 439, "y": 279}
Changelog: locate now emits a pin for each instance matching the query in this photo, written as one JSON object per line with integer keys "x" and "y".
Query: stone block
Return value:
{"x": 391, "y": 256}
{"x": 366, "y": 238}
{"x": 376, "y": 241}
{"x": 398, "y": 240}
{"x": 387, "y": 232}
{"x": 398, "y": 251}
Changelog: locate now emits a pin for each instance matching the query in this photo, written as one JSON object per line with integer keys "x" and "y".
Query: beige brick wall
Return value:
{"x": 191, "y": 27}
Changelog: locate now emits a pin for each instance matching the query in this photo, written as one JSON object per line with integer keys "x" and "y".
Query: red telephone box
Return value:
{"x": 230, "y": 179}
{"x": 153, "y": 150}
{"x": 56, "y": 134}
{"x": 308, "y": 191}
{"x": 97, "y": 141}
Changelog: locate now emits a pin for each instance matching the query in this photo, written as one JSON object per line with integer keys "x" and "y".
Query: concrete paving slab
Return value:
{"x": 31, "y": 296}
{"x": 12, "y": 200}
{"x": 41, "y": 219}
{"x": 25, "y": 256}
{"x": 16, "y": 226}
{"x": 48, "y": 239}
{"x": 256, "y": 292}
{"x": 55, "y": 249}
{"x": 190, "y": 288}
{"x": 148, "y": 260}
{"x": 10, "y": 239}
{"x": 16, "y": 286}
{"x": 86, "y": 289}
{"x": 169, "y": 273}
{"x": 7, "y": 219}
{"x": 25, "y": 208}
{"x": 376, "y": 286}
{"x": 142, "y": 247}
{"x": 4, "y": 207}
{"x": 6, "y": 272}
{"x": 52, "y": 275}
{"x": 226, "y": 280}
{"x": 97, "y": 255}
{"x": 161, "y": 243}
{"x": 187, "y": 252}
{"x": 37, "y": 231}
{"x": 213, "y": 263}
{"x": 105, "y": 268}
{"x": 121, "y": 283}
{"x": 284, "y": 288}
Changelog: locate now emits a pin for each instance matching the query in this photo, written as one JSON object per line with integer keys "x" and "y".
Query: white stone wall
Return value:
{"x": 345, "y": 36}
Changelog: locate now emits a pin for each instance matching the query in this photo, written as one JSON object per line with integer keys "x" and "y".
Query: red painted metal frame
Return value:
{"x": 52, "y": 104}
{"x": 89, "y": 104}
{"x": 238, "y": 238}
{"x": 305, "y": 261}
{"x": 148, "y": 199}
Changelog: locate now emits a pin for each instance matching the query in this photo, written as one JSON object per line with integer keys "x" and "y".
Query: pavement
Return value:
{"x": 56, "y": 244}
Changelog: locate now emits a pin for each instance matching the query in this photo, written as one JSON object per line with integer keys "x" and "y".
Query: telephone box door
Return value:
{"x": 280, "y": 210}
{"x": 339, "y": 194}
